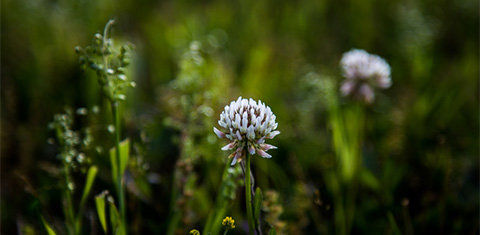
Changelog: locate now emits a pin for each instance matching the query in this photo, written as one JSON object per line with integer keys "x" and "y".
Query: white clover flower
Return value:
{"x": 363, "y": 72}
{"x": 246, "y": 124}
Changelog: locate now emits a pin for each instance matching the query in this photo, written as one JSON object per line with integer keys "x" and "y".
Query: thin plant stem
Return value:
{"x": 225, "y": 232}
{"x": 119, "y": 183}
{"x": 116, "y": 118}
{"x": 70, "y": 210}
{"x": 248, "y": 196}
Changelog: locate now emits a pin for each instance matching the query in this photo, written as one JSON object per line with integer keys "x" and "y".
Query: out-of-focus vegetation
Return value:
{"x": 418, "y": 151}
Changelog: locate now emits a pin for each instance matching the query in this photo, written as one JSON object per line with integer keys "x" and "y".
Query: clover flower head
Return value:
{"x": 228, "y": 222}
{"x": 246, "y": 124}
{"x": 363, "y": 72}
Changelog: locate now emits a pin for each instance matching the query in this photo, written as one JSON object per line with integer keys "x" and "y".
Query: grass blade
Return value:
{"x": 124, "y": 155}
{"x": 91, "y": 174}
{"x": 100, "y": 203}
{"x": 48, "y": 228}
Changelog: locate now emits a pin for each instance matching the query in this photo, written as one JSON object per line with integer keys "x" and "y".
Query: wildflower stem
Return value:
{"x": 69, "y": 208}
{"x": 225, "y": 232}
{"x": 248, "y": 195}
{"x": 119, "y": 185}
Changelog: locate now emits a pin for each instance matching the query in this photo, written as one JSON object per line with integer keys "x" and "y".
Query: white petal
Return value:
{"x": 366, "y": 92}
{"x": 229, "y": 122}
{"x": 245, "y": 121}
{"x": 234, "y": 161}
{"x": 251, "y": 149}
{"x": 267, "y": 147}
{"x": 239, "y": 137}
{"x": 228, "y": 146}
{"x": 263, "y": 154}
{"x": 258, "y": 122}
{"x": 251, "y": 133}
{"x": 222, "y": 124}
{"x": 273, "y": 134}
{"x": 218, "y": 133}
{"x": 347, "y": 87}
{"x": 237, "y": 121}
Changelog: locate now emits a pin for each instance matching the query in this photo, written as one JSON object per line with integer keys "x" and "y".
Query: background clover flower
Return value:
{"x": 363, "y": 72}
{"x": 246, "y": 124}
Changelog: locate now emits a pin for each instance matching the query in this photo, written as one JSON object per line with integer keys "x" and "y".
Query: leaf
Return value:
{"x": 115, "y": 220}
{"x": 114, "y": 163}
{"x": 100, "y": 203}
{"x": 48, "y": 228}
{"x": 91, "y": 174}
{"x": 272, "y": 232}
{"x": 257, "y": 204}
{"x": 124, "y": 154}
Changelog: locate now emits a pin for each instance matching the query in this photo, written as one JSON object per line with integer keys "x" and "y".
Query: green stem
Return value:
{"x": 226, "y": 231}
{"x": 119, "y": 183}
{"x": 69, "y": 210}
{"x": 248, "y": 196}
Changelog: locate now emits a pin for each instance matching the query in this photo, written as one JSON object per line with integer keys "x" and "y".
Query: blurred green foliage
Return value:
{"x": 420, "y": 144}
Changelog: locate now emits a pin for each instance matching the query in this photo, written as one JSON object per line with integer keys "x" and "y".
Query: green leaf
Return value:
{"x": 114, "y": 218}
{"x": 257, "y": 204}
{"x": 100, "y": 203}
{"x": 272, "y": 232}
{"x": 114, "y": 163}
{"x": 48, "y": 228}
{"x": 91, "y": 174}
{"x": 124, "y": 154}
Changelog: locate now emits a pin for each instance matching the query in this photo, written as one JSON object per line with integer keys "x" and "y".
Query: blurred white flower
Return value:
{"x": 246, "y": 124}
{"x": 363, "y": 72}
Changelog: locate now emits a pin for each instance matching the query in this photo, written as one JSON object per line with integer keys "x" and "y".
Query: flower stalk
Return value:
{"x": 110, "y": 65}
{"x": 246, "y": 124}
{"x": 248, "y": 196}
{"x": 119, "y": 183}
